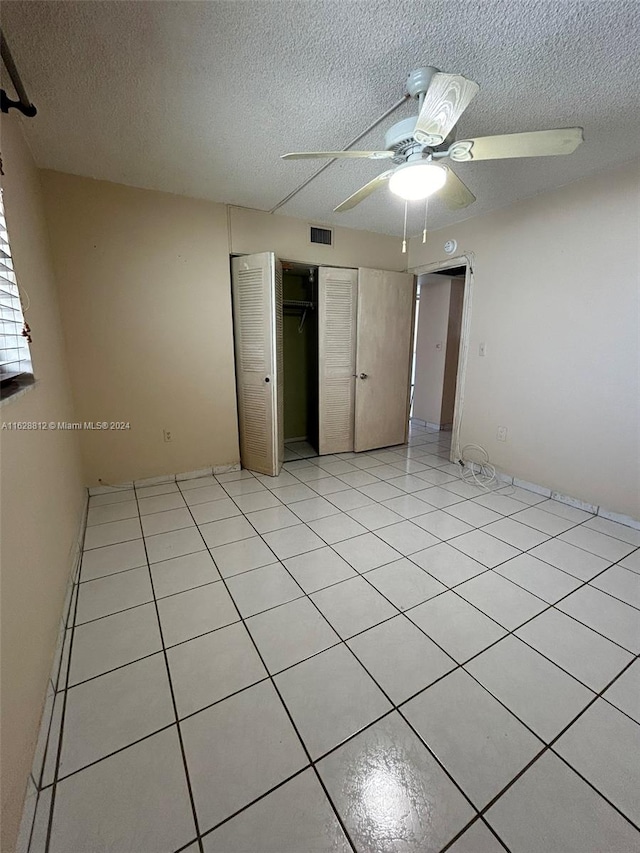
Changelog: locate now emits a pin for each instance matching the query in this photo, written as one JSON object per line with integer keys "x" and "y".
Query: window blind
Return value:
{"x": 15, "y": 358}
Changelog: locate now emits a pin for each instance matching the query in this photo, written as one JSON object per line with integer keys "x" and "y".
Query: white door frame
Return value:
{"x": 468, "y": 260}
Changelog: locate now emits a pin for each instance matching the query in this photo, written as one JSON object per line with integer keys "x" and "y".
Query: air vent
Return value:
{"x": 321, "y": 235}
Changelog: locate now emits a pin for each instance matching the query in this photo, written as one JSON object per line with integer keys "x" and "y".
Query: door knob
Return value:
{"x": 363, "y": 376}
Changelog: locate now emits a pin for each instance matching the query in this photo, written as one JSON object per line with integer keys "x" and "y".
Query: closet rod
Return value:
{"x": 297, "y": 303}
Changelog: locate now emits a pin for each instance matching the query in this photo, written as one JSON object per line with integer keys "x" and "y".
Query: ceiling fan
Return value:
{"x": 416, "y": 144}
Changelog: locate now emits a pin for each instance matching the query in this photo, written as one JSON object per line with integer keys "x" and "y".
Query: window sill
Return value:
{"x": 17, "y": 389}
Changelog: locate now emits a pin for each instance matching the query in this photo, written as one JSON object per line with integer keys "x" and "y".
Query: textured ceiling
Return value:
{"x": 200, "y": 98}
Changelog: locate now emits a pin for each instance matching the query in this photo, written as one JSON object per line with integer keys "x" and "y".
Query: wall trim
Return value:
{"x": 429, "y": 425}
{"x": 47, "y": 738}
{"x": 165, "y": 478}
{"x": 546, "y": 492}
{"x": 468, "y": 260}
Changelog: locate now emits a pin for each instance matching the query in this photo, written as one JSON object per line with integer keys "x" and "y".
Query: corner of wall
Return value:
{"x": 42, "y": 493}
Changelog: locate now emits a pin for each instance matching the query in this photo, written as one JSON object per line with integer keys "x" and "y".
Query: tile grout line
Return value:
{"x": 64, "y": 696}
{"x": 362, "y": 574}
{"x": 286, "y": 709}
{"x": 548, "y": 747}
{"x": 394, "y": 707}
{"x": 549, "y": 606}
{"x": 442, "y": 509}
{"x": 550, "y": 537}
{"x": 313, "y": 762}
{"x": 71, "y": 610}
{"x": 400, "y": 556}
{"x": 489, "y": 568}
{"x": 73, "y": 600}
{"x": 340, "y": 640}
{"x": 481, "y": 685}
{"x": 66, "y": 618}
{"x": 173, "y": 697}
{"x": 481, "y": 820}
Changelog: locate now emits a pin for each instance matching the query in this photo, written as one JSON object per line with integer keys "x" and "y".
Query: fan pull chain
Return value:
{"x": 404, "y": 235}
{"x": 426, "y": 209}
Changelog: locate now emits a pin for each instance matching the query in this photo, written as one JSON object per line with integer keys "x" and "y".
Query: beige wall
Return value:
{"x": 256, "y": 231}
{"x": 555, "y": 299}
{"x": 146, "y": 303}
{"x": 145, "y": 295}
{"x": 41, "y": 496}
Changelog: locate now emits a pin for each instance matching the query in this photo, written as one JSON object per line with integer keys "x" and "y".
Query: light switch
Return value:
{"x": 482, "y": 349}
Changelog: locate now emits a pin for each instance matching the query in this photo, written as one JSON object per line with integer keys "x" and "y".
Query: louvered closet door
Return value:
{"x": 337, "y": 305}
{"x": 257, "y": 328}
{"x": 383, "y": 358}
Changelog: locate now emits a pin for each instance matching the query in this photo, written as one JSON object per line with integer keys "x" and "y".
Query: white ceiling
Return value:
{"x": 201, "y": 98}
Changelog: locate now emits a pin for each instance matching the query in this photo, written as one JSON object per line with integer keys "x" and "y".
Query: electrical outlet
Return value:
{"x": 502, "y": 433}
{"x": 482, "y": 349}
{"x": 167, "y": 435}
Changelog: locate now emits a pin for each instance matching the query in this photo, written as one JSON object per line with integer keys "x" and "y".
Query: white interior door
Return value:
{"x": 386, "y": 302}
{"x": 337, "y": 306}
{"x": 257, "y": 326}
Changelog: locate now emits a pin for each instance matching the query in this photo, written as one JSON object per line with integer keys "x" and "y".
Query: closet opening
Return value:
{"x": 300, "y": 356}
{"x": 322, "y": 359}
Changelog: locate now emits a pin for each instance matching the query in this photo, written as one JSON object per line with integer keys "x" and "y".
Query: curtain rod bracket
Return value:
{"x": 7, "y": 104}
{"x": 23, "y": 104}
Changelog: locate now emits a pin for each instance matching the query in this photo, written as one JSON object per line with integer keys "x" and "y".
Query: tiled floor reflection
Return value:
{"x": 363, "y": 654}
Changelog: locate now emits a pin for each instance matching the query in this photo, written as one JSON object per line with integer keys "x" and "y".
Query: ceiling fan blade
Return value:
{"x": 538, "y": 143}
{"x": 446, "y": 99}
{"x": 317, "y": 155}
{"x": 364, "y": 191}
{"x": 455, "y": 194}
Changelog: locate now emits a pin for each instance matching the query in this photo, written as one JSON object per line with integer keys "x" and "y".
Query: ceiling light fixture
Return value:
{"x": 414, "y": 181}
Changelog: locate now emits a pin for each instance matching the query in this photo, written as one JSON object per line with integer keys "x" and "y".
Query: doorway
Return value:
{"x": 300, "y": 360}
{"x": 437, "y": 348}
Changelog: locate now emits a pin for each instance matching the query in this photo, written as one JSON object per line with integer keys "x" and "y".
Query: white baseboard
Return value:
{"x": 47, "y": 733}
{"x": 103, "y": 490}
{"x": 165, "y": 478}
{"x": 532, "y": 487}
{"x": 439, "y": 427}
{"x": 194, "y": 475}
{"x": 546, "y": 492}
{"x": 226, "y": 469}
{"x": 621, "y": 519}
{"x": 28, "y": 815}
{"x": 155, "y": 481}
{"x": 574, "y": 502}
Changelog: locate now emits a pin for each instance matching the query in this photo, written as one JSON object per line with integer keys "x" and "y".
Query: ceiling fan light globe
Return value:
{"x": 415, "y": 181}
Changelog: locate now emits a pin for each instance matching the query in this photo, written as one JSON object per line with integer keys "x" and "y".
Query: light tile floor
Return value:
{"x": 365, "y": 653}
